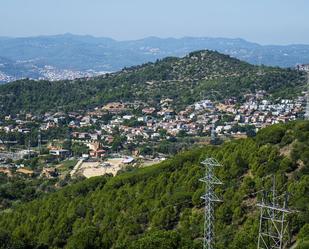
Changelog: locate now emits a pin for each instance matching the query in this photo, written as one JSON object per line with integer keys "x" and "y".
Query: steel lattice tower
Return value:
{"x": 273, "y": 229}
{"x": 210, "y": 198}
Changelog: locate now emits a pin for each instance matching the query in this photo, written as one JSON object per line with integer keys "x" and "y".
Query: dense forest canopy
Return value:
{"x": 160, "y": 207}
{"x": 200, "y": 75}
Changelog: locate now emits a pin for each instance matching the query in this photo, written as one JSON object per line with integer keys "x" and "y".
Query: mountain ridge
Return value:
{"x": 103, "y": 54}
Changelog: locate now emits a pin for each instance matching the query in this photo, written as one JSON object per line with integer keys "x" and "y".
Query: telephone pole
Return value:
{"x": 273, "y": 229}
{"x": 210, "y": 199}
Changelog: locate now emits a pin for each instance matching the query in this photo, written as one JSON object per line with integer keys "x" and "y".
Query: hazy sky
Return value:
{"x": 263, "y": 21}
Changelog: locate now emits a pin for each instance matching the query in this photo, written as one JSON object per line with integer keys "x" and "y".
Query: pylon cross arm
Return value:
{"x": 211, "y": 162}
{"x": 212, "y": 198}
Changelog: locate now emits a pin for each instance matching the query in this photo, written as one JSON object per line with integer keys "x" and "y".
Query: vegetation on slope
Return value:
{"x": 203, "y": 74}
{"x": 160, "y": 206}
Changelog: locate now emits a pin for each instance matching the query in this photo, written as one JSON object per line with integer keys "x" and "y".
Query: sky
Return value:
{"x": 262, "y": 21}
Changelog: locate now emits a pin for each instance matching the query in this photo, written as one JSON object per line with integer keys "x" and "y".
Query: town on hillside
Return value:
{"x": 119, "y": 136}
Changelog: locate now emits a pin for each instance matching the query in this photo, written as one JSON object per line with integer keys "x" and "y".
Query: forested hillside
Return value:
{"x": 203, "y": 74}
{"x": 159, "y": 207}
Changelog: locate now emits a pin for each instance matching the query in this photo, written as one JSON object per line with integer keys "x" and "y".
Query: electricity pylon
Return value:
{"x": 210, "y": 198}
{"x": 273, "y": 229}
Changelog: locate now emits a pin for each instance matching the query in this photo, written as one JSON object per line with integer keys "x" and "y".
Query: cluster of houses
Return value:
{"x": 303, "y": 67}
{"x": 259, "y": 112}
{"x": 140, "y": 123}
{"x": 203, "y": 115}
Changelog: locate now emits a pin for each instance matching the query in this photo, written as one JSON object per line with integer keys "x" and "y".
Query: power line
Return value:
{"x": 210, "y": 199}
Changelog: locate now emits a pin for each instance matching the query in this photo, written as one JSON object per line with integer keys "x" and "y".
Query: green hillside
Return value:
{"x": 203, "y": 74}
{"x": 160, "y": 207}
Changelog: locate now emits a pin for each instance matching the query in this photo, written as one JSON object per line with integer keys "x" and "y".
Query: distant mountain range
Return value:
{"x": 71, "y": 56}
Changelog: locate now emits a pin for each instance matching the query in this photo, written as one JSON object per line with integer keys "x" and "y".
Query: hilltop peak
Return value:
{"x": 185, "y": 79}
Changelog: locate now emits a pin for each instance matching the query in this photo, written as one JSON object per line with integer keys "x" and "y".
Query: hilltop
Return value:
{"x": 202, "y": 74}
{"x": 160, "y": 206}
